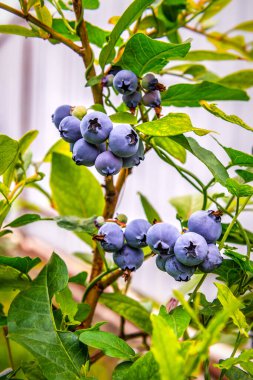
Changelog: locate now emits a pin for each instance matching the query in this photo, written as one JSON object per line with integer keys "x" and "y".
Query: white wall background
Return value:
{"x": 36, "y": 77}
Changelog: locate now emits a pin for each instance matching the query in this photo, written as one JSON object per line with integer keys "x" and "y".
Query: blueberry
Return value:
{"x": 111, "y": 237}
{"x": 101, "y": 147}
{"x": 177, "y": 270}
{"x": 114, "y": 70}
{"x": 191, "y": 249}
{"x": 123, "y": 141}
{"x": 136, "y": 159}
{"x": 96, "y": 127}
{"x": 128, "y": 258}
{"x": 108, "y": 164}
{"x": 132, "y": 100}
{"x": 84, "y": 153}
{"x": 107, "y": 81}
{"x": 213, "y": 259}
{"x": 152, "y": 99}
{"x": 207, "y": 224}
{"x": 149, "y": 82}
{"x": 160, "y": 261}
{"x": 161, "y": 237}
{"x": 136, "y": 233}
{"x": 60, "y": 113}
{"x": 125, "y": 82}
{"x": 69, "y": 129}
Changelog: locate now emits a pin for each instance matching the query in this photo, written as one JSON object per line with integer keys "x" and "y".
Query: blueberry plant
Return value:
{"x": 40, "y": 313}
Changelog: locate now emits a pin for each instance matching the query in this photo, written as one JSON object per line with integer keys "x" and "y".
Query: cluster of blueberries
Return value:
{"x": 126, "y": 83}
{"x": 177, "y": 254}
{"x": 94, "y": 141}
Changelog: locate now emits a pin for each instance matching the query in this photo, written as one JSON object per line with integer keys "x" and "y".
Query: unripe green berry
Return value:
{"x": 79, "y": 112}
{"x": 122, "y": 218}
{"x": 100, "y": 220}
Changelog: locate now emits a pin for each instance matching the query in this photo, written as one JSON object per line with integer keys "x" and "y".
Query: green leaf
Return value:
{"x": 235, "y": 373}
{"x": 213, "y": 109}
{"x": 239, "y": 158}
{"x": 143, "y": 368}
{"x": 187, "y": 204}
{"x": 246, "y": 26}
{"x": 178, "y": 319}
{"x": 44, "y": 15}
{"x": 12, "y": 278}
{"x": 246, "y": 175}
{"x": 123, "y": 118}
{"x": 23, "y": 220}
{"x": 166, "y": 355}
{"x": 18, "y": 31}
{"x": 61, "y": 147}
{"x": 79, "y": 278}
{"x": 244, "y": 357}
{"x": 128, "y": 17}
{"x": 143, "y": 54}
{"x": 109, "y": 343}
{"x": 197, "y": 72}
{"x": 207, "y": 55}
{"x": 170, "y": 125}
{"x": 128, "y": 308}
{"x": 241, "y": 79}
{"x": 149, "y": 210}
{"x": 90, "y": 4}
{"x": 229, "y": 272}
{"x": 190, "y": 95}
{"x": 78, "y": 193}
{"x": 68, "y": 306}
{"x": 23, "y": 264}
{"x": 32, "y": 371}
{"x": 213, "y": 9}
{"x": 27, "y": 139}
{"x": 227, "y": 298}
{"x": 206, "y": 156}
{"x": 172, "y": 147}
{"x": 238, "y": 189}
{"x": 72, "y": 223}
{"x": 31, "y": 324}
{"x": 8, "y": 152}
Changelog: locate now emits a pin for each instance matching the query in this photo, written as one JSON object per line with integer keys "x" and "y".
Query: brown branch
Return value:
{"x": 51, "y": 32}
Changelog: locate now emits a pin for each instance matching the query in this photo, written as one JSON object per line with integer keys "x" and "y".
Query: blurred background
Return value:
{"x": 36, "y": 77}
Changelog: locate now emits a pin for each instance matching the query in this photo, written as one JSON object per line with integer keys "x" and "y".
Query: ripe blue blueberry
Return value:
{"x": 177, "y": 270}
{"x": 84, "y": 153}
{"x": 60, "y": 113}
{"x": 213, "y": 259}
{"x": 190, "y": 249}
{"x": 132, "y": 100}
{"x": 161, "y": 237}
{"x": 108, "y": 164}
{"x": 110, "y": 236}
{"x": 128, "y": 258}
{"x": 136, "y": 159}
{"x": 123, "y": 141}
{"x": 160, "y": 261}
{"x": 96, "y": 127}
{"x": 152, "y": 99}
{"x": 125, "y": 82}
{"x": 207, "y": 224}
{"x": 69, "y": 129}
{"x": 149, "y": 82}
{"x": 136, "y": 233}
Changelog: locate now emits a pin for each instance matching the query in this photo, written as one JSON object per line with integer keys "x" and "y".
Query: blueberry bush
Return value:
{"x": 40, "y": 313}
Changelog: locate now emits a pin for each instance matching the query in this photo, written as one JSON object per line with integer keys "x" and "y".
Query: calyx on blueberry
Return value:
{"x": 133, "y": 138}
{"x": 94, "y": 125}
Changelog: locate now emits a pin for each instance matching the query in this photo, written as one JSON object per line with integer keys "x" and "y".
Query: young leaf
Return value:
{"x": 170, "y": 125}
{"x": 174, "y": 149}
{"x": 246, "y": 26}
{"x": 61, "y": 147}
{"x": 90, "y": 4}
{"x": 238, "y": 158}
{"x": 187, "y": 204}
{"x": 213, "y": 9}
{"x": 143, "y": 368}
{"x": 128, "y": 17}
{"x": 128, "y": 308}
{"x": 207, "y": 55}
{"x": 149, "y": 54}
{"x": 241, "y": 79}
{"x": 227, "y": 298}
{"x": 238, "y": 189}
{"x": 72, "y": 223}
{"x": 18, "y": 31}
{"x": 189, "y": 95}
{"x": 8, "y": 152}
{"x": 31, "y": 324}
{"x": 26, "y": 140}
{"x": 109, "y": 343}
{"x": 23, "y": 220}
{"x": 123, "y": 118}
{"x": 178, "y": 319}
{"x": 149, "y": 210}
{"x": 167, "y": 356}
{"x": 212, "y": 108}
